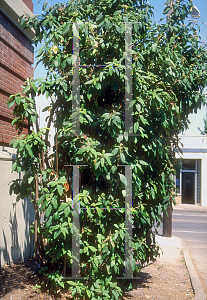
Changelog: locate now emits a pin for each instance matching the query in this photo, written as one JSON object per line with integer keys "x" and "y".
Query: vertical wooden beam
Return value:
{"x": 36, "y": 214}
{"x": 167, "y": 221}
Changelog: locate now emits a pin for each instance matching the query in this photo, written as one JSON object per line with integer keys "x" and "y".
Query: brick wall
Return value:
{"x": 29, "y": 4}
{"x": 16, "y": 57}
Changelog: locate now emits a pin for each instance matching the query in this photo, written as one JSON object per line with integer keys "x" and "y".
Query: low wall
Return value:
{"x": 15, "y": 217}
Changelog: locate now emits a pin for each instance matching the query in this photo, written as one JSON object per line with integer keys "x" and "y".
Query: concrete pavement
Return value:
{"x": 190, "y": 208}
{"x": 190, "y": 224}
{"x": 168, "y": 243}
{"x": 171, "y": 248}
{"x": 195, "y": 280}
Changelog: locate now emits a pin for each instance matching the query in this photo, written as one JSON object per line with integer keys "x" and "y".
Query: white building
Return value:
{"x": 191, "y": 179}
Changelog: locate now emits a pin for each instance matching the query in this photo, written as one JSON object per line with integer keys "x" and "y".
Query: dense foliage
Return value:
{"x": 169, "y": 74}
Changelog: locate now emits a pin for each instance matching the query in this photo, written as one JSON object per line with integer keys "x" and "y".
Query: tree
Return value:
{"x": 169, "y": 75}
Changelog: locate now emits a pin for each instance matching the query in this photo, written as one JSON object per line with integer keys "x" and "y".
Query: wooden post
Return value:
{"x": 36, "y": 215}
{"x": 56, "y": 154}
{"x": 167, "y": 215}
{"x": 167, "y": 221}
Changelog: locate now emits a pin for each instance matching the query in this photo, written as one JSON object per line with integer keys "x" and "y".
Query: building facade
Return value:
{"x": 16, "y": 59}
{"x": 191, "y": 178}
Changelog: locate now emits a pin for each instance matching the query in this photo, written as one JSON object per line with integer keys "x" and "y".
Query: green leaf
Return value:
{"x": 88, "y": 293}
{"x": 116, "y": 295}
{"x": 96, "y": 261}
{"x": 113, "y": 169}
{"x": 69, "y": 60}
{"x": 18, "y": 198}
{"x": 64, "y": 231}
{"x": 22, "y": 21}
{"x": 41, "y": 199}
{"x": 97, "y": 164}
{"x": 122, "y": 157}
{"x": 112, "y": 263}
{"x": 53, "y": 183}
{"x": 102, "y": 161}
{"x": 99, "y": 17}
{"x": 167, "y": 9}
{"x": 48, "y": 210}
{"x": 114, "y": 151}
{"x": 49, "y": 221}
{"x": 123, "y": 179}
{"x": 60, "y": 189}
{"x": 136, "y": 127}
{"x": 47, "y": 94}
{"x": 56, "y": 234}
{"x": 124, "y": 193}
{"x": 10, "y": 104}
{"x": 154, "y": 47}
{"x": 67, "y": 211}
{"x": 30, "y": 179}
{"x": 42, "y": 87}
{"x": 61, "y": 283}
{"x": 18, "y": 100}
{"x": 56, "y": 62}
{"x": 142, "y": 162}
{"x": 19, "y": 169}
{"x": 67, "y": 28}
{"x": 92, "y": 248}
{"x": 172, "y": 39}
{"x": 118, "y": 29}
{"x": 81, "y": 150}
{"x": 46, "y": 108}
{"x": 14, "y": 166}
{"x": 65, "y": 86}
{"x": 143, "y": 120}
{"x": 44, "y": 6}
{"x": 16, "y": 143}
{"x": 110, "y": 70}
{"x": 64, "y": 64}
{"x": 120, "y": 138}
{"x": 29, "y": 150}
{"x": 54, "y": 202}
{"x": 26, "y": 89}
{"x": 62, "y": 206}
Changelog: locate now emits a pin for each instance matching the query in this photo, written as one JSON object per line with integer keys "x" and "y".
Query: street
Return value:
{"x": 192, "y": 226}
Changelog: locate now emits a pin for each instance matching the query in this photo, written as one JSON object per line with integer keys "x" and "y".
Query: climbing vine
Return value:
{"x": 169, "y": 75}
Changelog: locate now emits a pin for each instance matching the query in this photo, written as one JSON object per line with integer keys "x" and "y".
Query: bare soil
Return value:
{"x": 165, "y": 279}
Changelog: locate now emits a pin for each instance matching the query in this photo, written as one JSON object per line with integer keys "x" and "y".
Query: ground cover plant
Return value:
{"x": 169, "y": 75}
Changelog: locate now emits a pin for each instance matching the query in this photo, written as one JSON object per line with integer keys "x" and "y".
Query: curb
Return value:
{"x": 195, "y": 281}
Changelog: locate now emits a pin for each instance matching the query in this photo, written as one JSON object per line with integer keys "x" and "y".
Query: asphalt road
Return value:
{"x": 192, "y": 226}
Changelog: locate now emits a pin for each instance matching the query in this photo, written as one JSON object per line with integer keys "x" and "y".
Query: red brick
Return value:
{"x": 15, "y": 39}
{"x": 7, "y": 132}
{"x": 29, "y": 4}
{"x": 16, "y": 57}
{"x": 14, "y": 62}
{"x": 4, "y": 110}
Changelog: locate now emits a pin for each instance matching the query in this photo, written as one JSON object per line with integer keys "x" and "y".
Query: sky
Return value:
{"x": 195, "y": 119}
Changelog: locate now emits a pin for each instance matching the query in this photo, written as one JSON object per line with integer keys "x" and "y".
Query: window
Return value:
{"x": 188, "y": 164}
{"x": 177, "y": 180}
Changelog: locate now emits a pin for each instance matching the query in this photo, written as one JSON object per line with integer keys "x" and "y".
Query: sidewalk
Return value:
{"x": 176, "y": 242}
{"x": 190, "y": 208}
{"x": 167, "y": 278}
{"x": 172, "y": 276}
